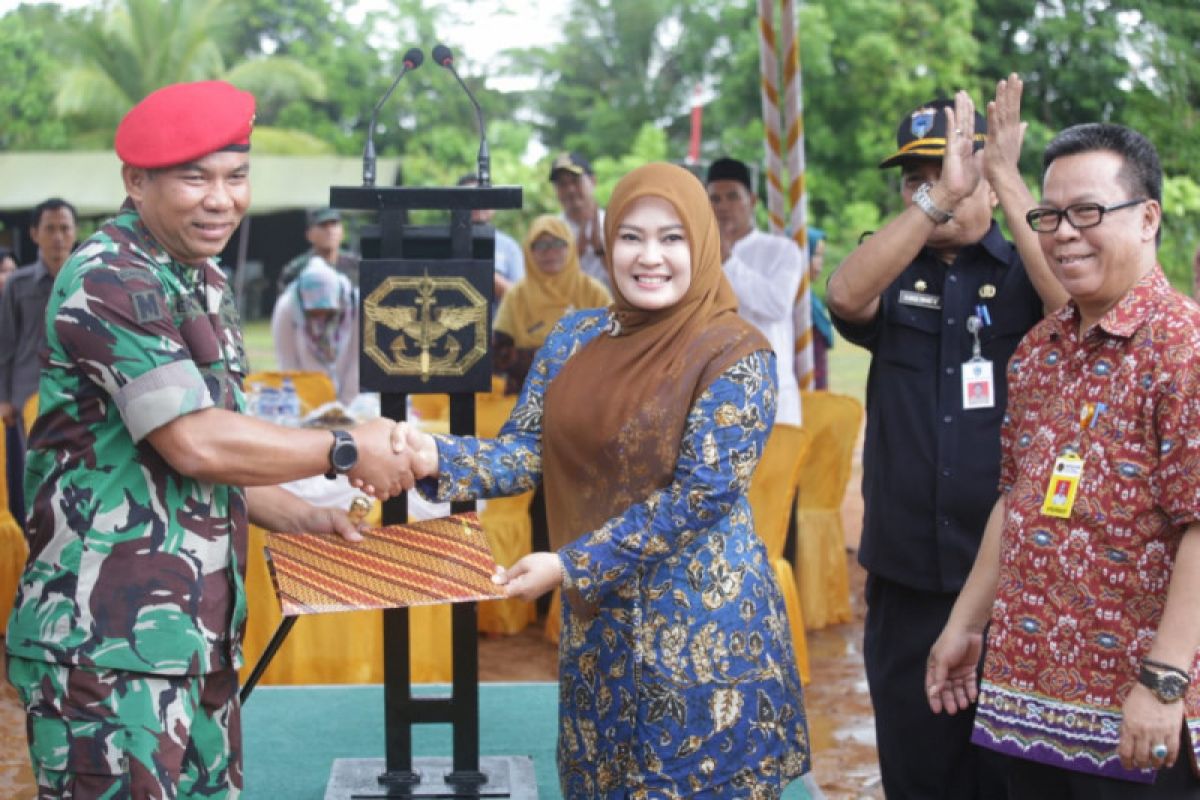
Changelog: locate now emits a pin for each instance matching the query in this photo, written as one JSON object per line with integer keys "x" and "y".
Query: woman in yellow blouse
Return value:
{"x": 553, "y": 285}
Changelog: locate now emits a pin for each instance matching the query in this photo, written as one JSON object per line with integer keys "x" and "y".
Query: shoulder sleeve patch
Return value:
{"x": 147, "y": 306}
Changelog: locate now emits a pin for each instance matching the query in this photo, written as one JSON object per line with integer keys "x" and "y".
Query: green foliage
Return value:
{"x": 1181, "y": 230}
{"x": 618, "y": 85}
{"x": 27, "y": 89}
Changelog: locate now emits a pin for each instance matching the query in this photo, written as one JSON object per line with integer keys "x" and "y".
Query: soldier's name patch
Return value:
{"x": 147, "y": 306}
{"x": 920, "y": 299}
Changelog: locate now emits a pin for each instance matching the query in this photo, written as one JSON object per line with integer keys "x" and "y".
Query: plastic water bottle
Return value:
{"x": 268, "y": 404}
{"x": 289, "y": 403}
{"x": 254, "y": 399}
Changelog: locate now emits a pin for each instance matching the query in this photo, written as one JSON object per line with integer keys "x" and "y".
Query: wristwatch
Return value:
{"x": 1167, "y": 683}
{"x": 343, "y": 454}
{"x": 923, "y": 201}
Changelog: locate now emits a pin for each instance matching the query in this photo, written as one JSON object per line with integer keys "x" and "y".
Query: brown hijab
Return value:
{"x": 614, "y": 415}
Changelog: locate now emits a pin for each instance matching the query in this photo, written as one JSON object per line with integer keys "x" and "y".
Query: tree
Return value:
{"x": 123, "y": 52}
{"x": 617, "y": 68}
{"x": 28, "y": 89}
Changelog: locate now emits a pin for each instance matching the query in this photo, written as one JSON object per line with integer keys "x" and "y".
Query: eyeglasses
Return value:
{"x": 1080, "y": 215}
{"x": 542, "y": 245}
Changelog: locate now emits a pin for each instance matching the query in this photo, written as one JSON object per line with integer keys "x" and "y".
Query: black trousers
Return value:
{"x": 14, "y": 470}
{"x": 922, "y": 755}
{"x": 1029, "y": 780}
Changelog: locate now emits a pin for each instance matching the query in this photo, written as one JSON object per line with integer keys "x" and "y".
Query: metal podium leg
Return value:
{"x": 264, "y": 660}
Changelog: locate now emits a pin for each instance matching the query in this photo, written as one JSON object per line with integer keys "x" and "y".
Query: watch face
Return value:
{"x": 1171, "y": 687}
{"x": 345, "y": 452}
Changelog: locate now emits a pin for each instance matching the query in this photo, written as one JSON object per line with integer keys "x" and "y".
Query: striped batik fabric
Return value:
{"x": 443, "y": 560}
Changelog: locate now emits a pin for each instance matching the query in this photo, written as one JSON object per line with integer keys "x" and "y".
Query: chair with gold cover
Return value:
{"x": 772, "y": 494}
{"x": 506, "y": 523}
{"x": 822, "y": 578}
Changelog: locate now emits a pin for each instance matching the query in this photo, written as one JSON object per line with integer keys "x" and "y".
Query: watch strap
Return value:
{"x": 340, "y": 440}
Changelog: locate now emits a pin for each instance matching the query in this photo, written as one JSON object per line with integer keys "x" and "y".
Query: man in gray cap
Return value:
{"x": 941, "y": 300}
{"x": 575, "y": 186}
{"x": 324, "y": 234}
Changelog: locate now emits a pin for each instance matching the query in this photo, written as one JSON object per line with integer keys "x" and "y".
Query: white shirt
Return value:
{"x": 765, "y": 272}
{"x": 590, "y": 262}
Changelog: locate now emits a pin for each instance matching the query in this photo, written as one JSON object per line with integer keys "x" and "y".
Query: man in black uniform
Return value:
{"x": 941, "y": 300}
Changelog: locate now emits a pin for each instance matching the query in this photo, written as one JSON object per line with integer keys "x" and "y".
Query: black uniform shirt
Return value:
{"x": 930, "y": 468}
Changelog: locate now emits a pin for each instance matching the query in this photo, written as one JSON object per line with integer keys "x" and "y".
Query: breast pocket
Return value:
{"x": 912, "y": 340}
{"x": 201, "y": 340}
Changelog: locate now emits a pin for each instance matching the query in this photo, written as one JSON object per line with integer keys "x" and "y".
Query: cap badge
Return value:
{"x": 987, "y": 291}
{"x": 922, "y": 121}
{"x": 563, "y": 162}
{"x": 920, "y": 286}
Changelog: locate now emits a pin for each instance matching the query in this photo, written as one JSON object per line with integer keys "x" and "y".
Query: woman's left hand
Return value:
{"x": 531, "y": 577}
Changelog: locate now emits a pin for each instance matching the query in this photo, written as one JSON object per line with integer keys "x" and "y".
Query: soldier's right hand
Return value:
{"x": 380, "y": 470}
{"x": 420, "y": 447}
{"x": 8, "y": 413}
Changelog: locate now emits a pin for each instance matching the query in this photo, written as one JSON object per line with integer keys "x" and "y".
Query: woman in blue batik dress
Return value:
{"x": 645, "y": 420}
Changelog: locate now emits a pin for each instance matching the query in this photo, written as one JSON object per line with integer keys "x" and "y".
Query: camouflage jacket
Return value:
{"x": 132, "y": 566}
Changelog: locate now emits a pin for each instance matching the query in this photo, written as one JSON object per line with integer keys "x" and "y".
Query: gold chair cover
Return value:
{"x": 772, "y": 494}
{"x": 833, "y": 422}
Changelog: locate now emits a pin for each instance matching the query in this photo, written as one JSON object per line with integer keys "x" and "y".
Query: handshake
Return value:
{"x": 392, "y": 457}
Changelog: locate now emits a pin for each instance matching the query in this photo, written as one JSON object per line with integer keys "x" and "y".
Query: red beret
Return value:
{"x": 183, "y": 122}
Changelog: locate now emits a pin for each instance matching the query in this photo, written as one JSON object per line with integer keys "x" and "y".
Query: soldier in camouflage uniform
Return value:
{"x": 126, "y": 634}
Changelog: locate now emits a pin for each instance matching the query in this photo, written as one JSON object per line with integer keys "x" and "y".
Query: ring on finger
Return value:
{"x": 1159, "y": 751}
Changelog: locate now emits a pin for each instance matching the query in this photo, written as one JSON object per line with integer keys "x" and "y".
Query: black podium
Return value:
{"x": 426, "y": 294}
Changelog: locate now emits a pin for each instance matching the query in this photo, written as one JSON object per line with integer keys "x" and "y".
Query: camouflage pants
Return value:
{"x": 98, "y": 733}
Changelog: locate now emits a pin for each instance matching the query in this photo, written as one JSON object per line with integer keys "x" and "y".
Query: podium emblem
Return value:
{"x": 425, "y": 326}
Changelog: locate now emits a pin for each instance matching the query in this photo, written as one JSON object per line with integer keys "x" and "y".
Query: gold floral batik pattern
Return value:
{"x": 677, "y": 676}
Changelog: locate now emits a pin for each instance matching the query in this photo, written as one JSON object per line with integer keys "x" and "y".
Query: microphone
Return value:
{"x": 443, "y": 56}
{"x": 412, "y": 60}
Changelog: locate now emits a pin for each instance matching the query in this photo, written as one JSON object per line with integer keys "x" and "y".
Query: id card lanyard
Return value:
{"x": 978, "y": 380}
{"x": 1068, "y": 468}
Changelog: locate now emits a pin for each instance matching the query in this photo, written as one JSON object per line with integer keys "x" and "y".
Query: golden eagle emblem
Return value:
{"x": 431, "y": 336}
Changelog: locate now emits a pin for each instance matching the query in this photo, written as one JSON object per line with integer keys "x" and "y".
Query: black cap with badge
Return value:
{"x": 922, "y": 134}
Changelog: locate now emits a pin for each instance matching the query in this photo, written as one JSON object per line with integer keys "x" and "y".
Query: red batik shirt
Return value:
{"x": 1079, "y": 599}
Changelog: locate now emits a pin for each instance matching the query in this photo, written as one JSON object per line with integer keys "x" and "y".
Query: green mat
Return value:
{"x": 293, "y": 734}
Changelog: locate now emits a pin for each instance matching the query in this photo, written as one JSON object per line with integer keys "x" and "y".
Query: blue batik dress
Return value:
{"x": 677, "y": 676}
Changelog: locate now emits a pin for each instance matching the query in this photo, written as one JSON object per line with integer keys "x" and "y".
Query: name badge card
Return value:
{"x": 1064, "y": 482}
{"x": 978, "y": 385}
